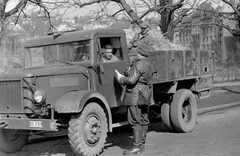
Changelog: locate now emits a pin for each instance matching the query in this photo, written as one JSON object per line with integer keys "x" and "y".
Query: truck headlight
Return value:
{"x": 39, "y": 96}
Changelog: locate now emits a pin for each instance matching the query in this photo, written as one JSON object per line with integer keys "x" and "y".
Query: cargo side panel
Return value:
{"x": 191, "y": 64}
{"x": 206, "y": 66}
{"x": 176, "y": 64}
{"x": 159, "y": 62}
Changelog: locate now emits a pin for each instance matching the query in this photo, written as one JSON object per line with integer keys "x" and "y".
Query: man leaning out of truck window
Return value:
{"x": 109, "y": 57}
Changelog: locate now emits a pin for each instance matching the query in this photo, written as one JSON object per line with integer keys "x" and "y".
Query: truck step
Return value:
{"x": 119, "y": 124}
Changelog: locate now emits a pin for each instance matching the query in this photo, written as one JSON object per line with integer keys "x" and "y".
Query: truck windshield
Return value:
{"x": 58, "y": 54}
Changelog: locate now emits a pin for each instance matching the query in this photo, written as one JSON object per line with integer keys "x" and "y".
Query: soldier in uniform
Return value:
{"x": 144, "y": 37}
{"x": 137, "y": 97}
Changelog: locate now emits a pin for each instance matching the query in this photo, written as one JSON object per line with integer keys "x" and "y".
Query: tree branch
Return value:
{"x": 18, "y": 7}
{"x": 180, "y": 17}
{"x": 234, "y": 32}
{"x": 233, "y": 7}
{"x": 157, "y": 9}
{"x": 176, "y": 6}
{"x": 117, "y": 12}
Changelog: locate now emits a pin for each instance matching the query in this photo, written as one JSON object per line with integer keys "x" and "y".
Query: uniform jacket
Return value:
{"x": 138, "y": 90}
{"x": 146, "y": 39}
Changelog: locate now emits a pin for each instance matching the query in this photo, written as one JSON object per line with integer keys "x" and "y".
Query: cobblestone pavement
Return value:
{"x": 216, "y": 134}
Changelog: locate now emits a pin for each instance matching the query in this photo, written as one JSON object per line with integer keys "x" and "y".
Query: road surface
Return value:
{"x": 216, "y": 134}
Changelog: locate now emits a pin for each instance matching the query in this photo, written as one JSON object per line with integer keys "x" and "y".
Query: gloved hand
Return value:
{"x": 130, "y": 45}
{"x": 118, "y": 75}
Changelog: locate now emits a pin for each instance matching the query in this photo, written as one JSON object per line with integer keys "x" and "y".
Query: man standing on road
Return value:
{"x": 137, "y": 97}
{"x": 143, "y": 37}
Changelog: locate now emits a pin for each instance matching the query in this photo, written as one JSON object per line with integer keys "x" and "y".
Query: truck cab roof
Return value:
{"x": 64, "y": 37}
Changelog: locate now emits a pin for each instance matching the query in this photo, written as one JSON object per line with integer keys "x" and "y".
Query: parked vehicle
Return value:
{"x": 65, "y": 84}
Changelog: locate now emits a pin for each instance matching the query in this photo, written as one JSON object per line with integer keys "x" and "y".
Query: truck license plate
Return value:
{"x": 35, "y": 124}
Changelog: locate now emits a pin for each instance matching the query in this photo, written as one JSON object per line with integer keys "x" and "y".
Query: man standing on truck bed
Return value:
{"x": 137, "y": 97}
{"x": 144, "y": 37}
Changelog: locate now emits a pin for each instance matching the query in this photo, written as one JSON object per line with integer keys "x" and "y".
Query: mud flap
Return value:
{"x": 204, "y": 94}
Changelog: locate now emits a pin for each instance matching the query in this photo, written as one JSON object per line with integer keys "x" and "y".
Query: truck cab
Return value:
{"x": 64, "y": 76}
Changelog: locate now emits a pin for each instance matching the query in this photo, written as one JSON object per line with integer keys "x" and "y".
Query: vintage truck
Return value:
{"x": 65, "y": 84}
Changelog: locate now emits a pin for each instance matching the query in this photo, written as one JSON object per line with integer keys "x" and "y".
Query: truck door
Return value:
{"x": 110, "y": 87}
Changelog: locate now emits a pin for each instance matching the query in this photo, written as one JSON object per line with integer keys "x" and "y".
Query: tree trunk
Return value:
{"x": 130, "y": 12}
{"x": 167, "y": 27}
{"x": 1, "y": 30}
{"x": 2, "y": 18}
{"x": 170, "y": 34}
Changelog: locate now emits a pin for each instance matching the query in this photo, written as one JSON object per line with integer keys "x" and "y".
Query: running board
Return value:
{"x": 119, "y": 124}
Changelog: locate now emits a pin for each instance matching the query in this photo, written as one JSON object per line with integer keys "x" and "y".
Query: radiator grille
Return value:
{"x": 10, "y": 96}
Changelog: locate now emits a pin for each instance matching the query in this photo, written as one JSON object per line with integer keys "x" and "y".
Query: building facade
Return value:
{"x": 201, "y": 32}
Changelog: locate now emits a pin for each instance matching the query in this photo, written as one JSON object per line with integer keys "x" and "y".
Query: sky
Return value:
{"x": 12, "y": 3}
{"x": 82, "y": 11}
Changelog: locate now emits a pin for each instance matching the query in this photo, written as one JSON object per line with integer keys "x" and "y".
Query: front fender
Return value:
{"x": 74, "y": 102}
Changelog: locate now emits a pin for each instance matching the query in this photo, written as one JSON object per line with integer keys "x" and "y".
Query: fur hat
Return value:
{"x": 143, "y": 49}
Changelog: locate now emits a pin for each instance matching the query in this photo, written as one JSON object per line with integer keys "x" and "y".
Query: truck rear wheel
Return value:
{"x": 11, "y": 141}
{"x": 88, "y": 132}
{"x": 183, "y": 111}
{"x": 165, "y": 114}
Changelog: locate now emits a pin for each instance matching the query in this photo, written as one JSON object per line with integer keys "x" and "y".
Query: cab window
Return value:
{"x": 58, "y": 54}
{"x": 81, "y": 51}
{"x": 107, "y": 43}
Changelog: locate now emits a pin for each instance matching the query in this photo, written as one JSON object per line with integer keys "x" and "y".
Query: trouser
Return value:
{"x": 138, "y": 119}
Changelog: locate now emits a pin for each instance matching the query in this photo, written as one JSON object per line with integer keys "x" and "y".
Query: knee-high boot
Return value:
{"x": 137, "y": 144}
{"x": 144, "y": 136}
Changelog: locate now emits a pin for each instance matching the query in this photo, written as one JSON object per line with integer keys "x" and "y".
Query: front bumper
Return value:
{"x": 29, "y": 124}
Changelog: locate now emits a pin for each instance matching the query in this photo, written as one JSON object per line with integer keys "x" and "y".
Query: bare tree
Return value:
{"x": 169, "y": 12}
{"x": 232, "y": 15}
{"x": 19, "y": 9}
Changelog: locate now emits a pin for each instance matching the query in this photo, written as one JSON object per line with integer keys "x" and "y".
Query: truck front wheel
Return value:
{"x": 11, "y": 141}
{"x": 183, "y": 111}
{"x": 88, "y": 132}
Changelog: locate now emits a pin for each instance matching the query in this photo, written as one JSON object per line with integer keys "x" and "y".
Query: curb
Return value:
{"x": 225, "y": 84}
{"x": 214, "y": 108}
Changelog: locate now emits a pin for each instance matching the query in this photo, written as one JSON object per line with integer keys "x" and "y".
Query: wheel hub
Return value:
{"x": 93, "y": 130}
{"x": 186, "y": 111}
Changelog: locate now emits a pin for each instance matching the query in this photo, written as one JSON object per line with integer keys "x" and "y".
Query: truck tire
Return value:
{"x": 88, "y": 132}
{"x": 165, "y": 114}
{"x": 11, "y": 142}
{"x": 183, "y": 111}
